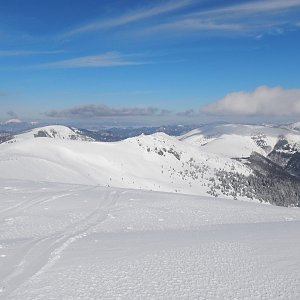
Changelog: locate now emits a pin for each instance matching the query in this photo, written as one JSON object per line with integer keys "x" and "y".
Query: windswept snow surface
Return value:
{"x": 66, "y": 241}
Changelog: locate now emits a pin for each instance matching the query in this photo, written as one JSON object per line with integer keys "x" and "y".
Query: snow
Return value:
{"x": 154, "y": 162}
{"x": 13, "y": 121}
{"x": 130, "y": 220}
{"x": 294, "y": 126}
{"x": 67, "y": 241}
{"x": 238, "y": 140}
{"x": 58, "y": 132}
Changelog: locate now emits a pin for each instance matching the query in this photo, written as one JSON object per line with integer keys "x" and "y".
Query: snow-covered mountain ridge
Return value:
{"x": 240, "y": 140}
{"x": 153, "y": 162}
{"x": 212, "y": 160}
{"x": 54, "y": 132}
{"x": 281, "y": 144}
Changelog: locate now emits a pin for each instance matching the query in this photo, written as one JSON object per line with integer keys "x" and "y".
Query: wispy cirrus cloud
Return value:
{"x": 254, "y": 7}
{"x": 28, "y": 52}
{"x": 109, "y": 59}
{"x": 192, "y": 24}
{"x": 101, "y": 111}
{"x": 272, "y": 16}
{"x": 133, "y": 16}
{"x": 263, "y": 100}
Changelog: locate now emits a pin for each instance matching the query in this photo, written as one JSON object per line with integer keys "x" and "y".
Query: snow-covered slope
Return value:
{"x": 154, "y": 162}
{"x": 60, "y": 241}
{"x": 162, "y": 163}
{"x": 64, "y": 234}
{"x": 293, "y": 126}
{"x": 239, "y": 140}
{"x": 13, "y": 121}
{"x": 54, "y": 132}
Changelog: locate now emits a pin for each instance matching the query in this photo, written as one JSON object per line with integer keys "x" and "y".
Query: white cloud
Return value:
{"x": 132, "y": 17}
{"x": 199, "y": 25}
{"x": 254, "y": 7}
{"x": 109, "y": 59}
{"x": 246, "y": 18}
{"x": 254, "y": 17}
{"x": 28, "y": 52}
{"x": 264, "y": 100}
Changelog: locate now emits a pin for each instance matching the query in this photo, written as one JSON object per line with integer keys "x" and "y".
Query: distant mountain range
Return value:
{"x": 247, "y": 162}
{"x": 105, "y": 134}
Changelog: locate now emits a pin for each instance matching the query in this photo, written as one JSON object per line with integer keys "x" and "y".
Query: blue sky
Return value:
{"x": 161, "y": 60}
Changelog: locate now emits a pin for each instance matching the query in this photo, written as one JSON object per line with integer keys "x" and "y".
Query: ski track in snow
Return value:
{"x": 62, "y": 241}
{"x": 41, "y": 254}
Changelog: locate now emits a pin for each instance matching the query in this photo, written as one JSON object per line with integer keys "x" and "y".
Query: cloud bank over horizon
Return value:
{"x": 102, "y": 111}
{"x": 263, "y": 101}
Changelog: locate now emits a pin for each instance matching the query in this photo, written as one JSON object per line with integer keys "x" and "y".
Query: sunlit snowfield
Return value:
{"x": 60, "y": 241}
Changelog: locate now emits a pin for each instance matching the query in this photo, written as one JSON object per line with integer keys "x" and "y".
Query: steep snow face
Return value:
{"x": 237, "y": 140}
{"x": 53, "y": 132}
{"x": 154, "y": 162}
